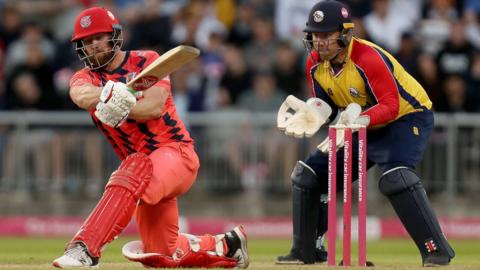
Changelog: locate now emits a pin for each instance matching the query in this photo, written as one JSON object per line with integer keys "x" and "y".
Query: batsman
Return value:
{"x": 158, "y": 160}
{"x": 354, "y": 81}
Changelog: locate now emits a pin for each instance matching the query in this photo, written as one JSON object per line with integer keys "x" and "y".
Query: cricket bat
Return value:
{"x": 167, "y": 63}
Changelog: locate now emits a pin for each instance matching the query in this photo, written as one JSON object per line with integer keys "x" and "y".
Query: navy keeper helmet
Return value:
{"x": 328, "y": 16}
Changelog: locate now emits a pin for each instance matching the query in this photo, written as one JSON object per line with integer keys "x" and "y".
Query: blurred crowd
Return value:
{"x": 252, "y": 51}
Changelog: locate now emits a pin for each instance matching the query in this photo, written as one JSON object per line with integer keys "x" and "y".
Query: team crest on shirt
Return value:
{"x": 354, "y": 92}
{"x": 330, "y": 92}
{"x": 85, "y": 21}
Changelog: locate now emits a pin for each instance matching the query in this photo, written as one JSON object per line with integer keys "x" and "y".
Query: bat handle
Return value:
{"x": 137, "y": 94}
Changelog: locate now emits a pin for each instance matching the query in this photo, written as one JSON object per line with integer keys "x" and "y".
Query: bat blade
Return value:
{"x": 164, "y": 65}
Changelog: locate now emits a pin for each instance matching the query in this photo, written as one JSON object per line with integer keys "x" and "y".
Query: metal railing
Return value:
{"x": 241, "y": 153}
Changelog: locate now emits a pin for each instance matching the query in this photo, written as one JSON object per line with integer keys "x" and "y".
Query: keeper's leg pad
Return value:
{"x": 322, "y": 225}
{"x": 115, "y": 209}
{"x": 409, "y": 199}
{"x": 205, "y": 251}
{"x": 306, "y": 204}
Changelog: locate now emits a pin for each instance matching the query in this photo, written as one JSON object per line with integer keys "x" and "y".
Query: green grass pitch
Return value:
{"x": 37, "y": 253}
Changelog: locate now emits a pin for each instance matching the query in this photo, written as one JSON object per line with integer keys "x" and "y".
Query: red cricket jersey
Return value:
{"x": 136, "y": 136}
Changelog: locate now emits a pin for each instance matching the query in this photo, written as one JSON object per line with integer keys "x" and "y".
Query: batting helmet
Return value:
{"x": 328, "y": 16}
{"x": 92, "y": 21}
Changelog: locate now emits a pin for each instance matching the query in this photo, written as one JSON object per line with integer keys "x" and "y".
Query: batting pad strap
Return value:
{"x": 193, "y": 242}
{"x": 219, "y": 250}
{"x": 129, "y": 182}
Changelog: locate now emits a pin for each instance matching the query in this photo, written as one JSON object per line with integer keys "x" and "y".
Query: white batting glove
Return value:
{"x": 116, "y": 102}
{"x": 306, "y": 118}
{"x": 349, "y": 116}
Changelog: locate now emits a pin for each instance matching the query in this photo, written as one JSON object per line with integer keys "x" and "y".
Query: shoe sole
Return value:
{"x": 289, "y": 263}
{"x": 57, "y": 265}
{"x": 240, "y": 231}
{"x": 295, "y": 263}
{"x": 434, "y": 265}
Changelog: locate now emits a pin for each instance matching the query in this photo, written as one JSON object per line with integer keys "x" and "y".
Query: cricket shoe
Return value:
{"x": 294, "y": 259}
{"x": 435, "y": 260}
{"x": 76, "y": 257}
{"x": 237, "y": 246}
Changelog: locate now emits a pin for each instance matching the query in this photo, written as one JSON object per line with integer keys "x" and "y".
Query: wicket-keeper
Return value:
{"x": 344, "y": 71}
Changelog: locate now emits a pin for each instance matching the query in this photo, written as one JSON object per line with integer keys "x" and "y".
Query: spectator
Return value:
{"x": 241, "y": 31}
{"x": 459, "y": 98}
{"x": 360, "y": 31}
{"x": 185, "y": 23}
{"x": 408, "y": 53}
{"x": 189, "y": 88}
{"x": 31, "y": 84}
{"x": 457, "y": 54}
{"x": 32, "y": 36}
{"x": 290, "y": 20}
{"x": 264, "y": 8}
{"x": 237, "y": 78}
{"x": 213, "y": 65}
{"x": 472, "y": 27}
{"x": 475, "y": 72}
{"x": 385, "y": 26}
{"x": 287, "y": 69}
{"x": 359, "y": 8}
{"x": 10, "y": 27}
{"x": 434, "y": 28}
{"x": 427, "y": 76}
{"x": 2, "y": 81}
{"x": 152, "y": 30}
{"x": 264, "y": 96}
{"x": 260, "y": 52}
{"x": 225, "y": 11}
{"x": 411, "y": 10}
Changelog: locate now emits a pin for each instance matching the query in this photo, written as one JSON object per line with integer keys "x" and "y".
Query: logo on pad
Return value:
{"x": 431, "y": 246}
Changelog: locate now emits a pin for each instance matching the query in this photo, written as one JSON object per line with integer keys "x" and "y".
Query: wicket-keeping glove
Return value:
{"x": 306, "y": 117}
{"x": 349, "y": 116}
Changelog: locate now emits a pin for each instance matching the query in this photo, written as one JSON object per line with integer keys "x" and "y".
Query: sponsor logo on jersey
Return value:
{"x": 416, "y": 131}
{"x": 354, "y": 92}
{"x": 144, "y": 83}
{"x": 330, "y": 92}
